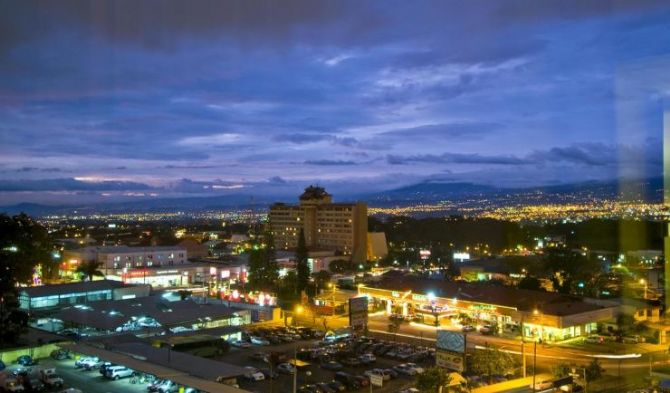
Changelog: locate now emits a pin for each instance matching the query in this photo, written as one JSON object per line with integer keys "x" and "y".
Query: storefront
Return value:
{"x": 504, "y": 310}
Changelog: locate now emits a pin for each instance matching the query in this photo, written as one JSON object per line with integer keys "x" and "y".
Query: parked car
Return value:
{"x": 256, "y": 340}
{"x": 379, "y": 372}
{"x": 308, "y": 389}
{"x": 286, "y": 368}
{"x": 331, "y": 365}
{"x": 419, "y": 370}
{"x": 259, "y": 356}
{"x": 50, "y": 378}
{"x": 33, "y": 384}
{"x": 26, "y": 360}
{"x": 468, "y": 328}
{"x": 165, "y": 386}
{"x": 91, "y": 364}
{"x": 486, "y": 329}
{"x": 351, "y": 362}
{"x": 104, "y": 367}
{"x": 404, "y": 369}
{"x": 631, "y": 339}
{"x": 240, "y": 344}
{"x": 367, "y": 358}
{"x": 594, "y": 339}
{"x": 268, "y": 374}
{"x": 9, "y": 383}
{"x": 79, "y": 363}
{"x": 391, "y": 372}
{"x": 118, "y": 372}
{"x": 347, "y": 379}
{"x": 337, "y": 386}
{"x": 60, "y": 354}
{"x": 253, "y": 374}
{"x": 362, "y": 380}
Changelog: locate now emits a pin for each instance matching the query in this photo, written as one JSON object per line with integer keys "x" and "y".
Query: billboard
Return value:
{"x": 450, "y": 341}
{"x": 450, "y": 350}
{"x": 450, "y": 360}
{"x": 358, "y": 312}
{"x": 425, "y": 254}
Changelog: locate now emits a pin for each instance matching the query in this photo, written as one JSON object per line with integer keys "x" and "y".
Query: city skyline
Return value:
{"x": 122, "y": 100}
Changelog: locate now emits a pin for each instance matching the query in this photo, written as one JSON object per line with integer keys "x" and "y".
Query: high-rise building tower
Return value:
{"x": 341, "y": 227}
{"x": 666, "y": 200}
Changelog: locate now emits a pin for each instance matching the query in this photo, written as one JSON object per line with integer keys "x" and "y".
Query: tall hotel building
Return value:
{"x": 340, "y": 227}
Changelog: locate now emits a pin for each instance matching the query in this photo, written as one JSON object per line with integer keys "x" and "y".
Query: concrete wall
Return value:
{"x": 9, "y": 356}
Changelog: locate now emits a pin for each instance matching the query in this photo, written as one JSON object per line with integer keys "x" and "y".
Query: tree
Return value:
{"x": 594, "y": 370}
{"x": 339, "y": 266}
{"x": 562, "y": 370}
{"x": 24, "y": 247}
{"x": 302, "y": 268}
{"x": 531, "y": 283}
{"x": 322, "y": 279}
{"x": 625, "y": 323}
{"x": 452, "y": 272}
{"x": 88, "y": 269}
{"x": 432, "y": 379}
{"x": 263, "y": 268}
{"x": 491, "y": 360}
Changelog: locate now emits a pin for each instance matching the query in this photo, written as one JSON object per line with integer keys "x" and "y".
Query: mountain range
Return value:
{"x": 650, "y": 190}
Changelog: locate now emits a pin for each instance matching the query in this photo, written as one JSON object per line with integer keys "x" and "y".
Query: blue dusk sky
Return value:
{"x": 129, "y": 99}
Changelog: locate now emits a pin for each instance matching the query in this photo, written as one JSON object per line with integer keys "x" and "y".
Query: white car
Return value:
{"x": 240, "y": 344}
{"x": 405, "y": 369}
{"x": 253, "y": 374}
{"x": 542, "y": 385}
{"x": 416, "y": 367}
{"x": 377, "y": 371}
{"x": 286, "y": 368}
{"x": 367, "y": 358}
{"x": 50, "y": 378}
{"x": 166, "y": 387}
{"x": 91, "y": 363}
{"x": 81, "y": 361}
{"x": 259, "y": 341}
{"x": 118, "y": 372}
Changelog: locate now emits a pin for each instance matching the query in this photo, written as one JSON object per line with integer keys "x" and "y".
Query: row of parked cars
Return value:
{"x": 275, "y": 336}
{"x": 107, "y": 369}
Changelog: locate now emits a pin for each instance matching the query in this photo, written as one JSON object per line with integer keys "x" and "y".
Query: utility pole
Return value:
{"x": 534, "y": 363}
{"x": 523, "y": 348}
{"x": 295, "y": 369}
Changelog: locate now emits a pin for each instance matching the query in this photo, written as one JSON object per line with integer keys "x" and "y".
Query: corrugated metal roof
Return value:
{"x": 137, "y": 362}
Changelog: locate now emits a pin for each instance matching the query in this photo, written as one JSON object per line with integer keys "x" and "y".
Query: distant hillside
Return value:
{"x": 426, "y": 192}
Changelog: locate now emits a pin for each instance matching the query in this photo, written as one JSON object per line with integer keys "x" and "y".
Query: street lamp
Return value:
{"x": 644, "y": 282}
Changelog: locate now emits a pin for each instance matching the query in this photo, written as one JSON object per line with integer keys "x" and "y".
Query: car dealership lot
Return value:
{"x": 318, "y": 362}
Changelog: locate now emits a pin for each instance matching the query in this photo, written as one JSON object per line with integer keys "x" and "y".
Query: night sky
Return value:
{"x": 114, "y": 100}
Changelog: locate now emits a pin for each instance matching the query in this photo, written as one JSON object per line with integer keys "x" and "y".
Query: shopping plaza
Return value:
{"x": 551, "y": 316}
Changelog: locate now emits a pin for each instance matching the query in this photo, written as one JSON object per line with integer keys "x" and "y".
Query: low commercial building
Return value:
{"x": 182, "y": 275}
{"x": 119, "y": 257}
{"x": 48, "y": 297}
{"x": 152, "y": 314}
{"x": 551, "y": 316}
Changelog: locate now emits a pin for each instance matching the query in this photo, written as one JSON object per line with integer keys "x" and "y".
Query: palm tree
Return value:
{"x": 90, "y": 269}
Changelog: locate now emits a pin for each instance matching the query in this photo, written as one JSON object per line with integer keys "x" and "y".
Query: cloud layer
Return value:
{"x": 252, "y": 97}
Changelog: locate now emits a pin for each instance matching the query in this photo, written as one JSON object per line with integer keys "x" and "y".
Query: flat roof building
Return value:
{"x": 119, "y": 257}
{"x": 59, "y": 295}
{"x": 549, "y": 315}
{"x": 340, "y": 227}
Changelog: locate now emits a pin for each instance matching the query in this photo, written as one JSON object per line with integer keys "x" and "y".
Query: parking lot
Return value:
{"x": 86, "y": 381}
{"x": 318, "y": 361}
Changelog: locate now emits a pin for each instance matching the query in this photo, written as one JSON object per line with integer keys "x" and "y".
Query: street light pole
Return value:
{"x": 295, "y": 369}
{"x": 523, "y": 348}
{"x": 534, "y": 362}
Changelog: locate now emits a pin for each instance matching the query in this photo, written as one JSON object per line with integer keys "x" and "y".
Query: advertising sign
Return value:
{"x": 376, "y": 380}
{"x": 425, "y": 254}
{"x": 358, "y": 312}
{"x": 450, "y": 360}
{"x": 450, "y": 341}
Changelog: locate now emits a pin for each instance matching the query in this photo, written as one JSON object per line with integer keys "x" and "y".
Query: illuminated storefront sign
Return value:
{"x": 419, "y": 298}
{"x": 395, "y": 294}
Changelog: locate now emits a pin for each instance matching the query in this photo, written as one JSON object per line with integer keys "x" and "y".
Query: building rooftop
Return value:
{"x": 126, "y": 249}
{"x": 182, "y": 368}
{"x": 549, "y": 303}
{"x": 108, "y": 315}
{"x": 74, "y": 287}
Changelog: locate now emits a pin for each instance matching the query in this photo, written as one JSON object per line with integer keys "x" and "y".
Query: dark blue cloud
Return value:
{"x": 236, "y": 92}
{"x": 69, "y": 184}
